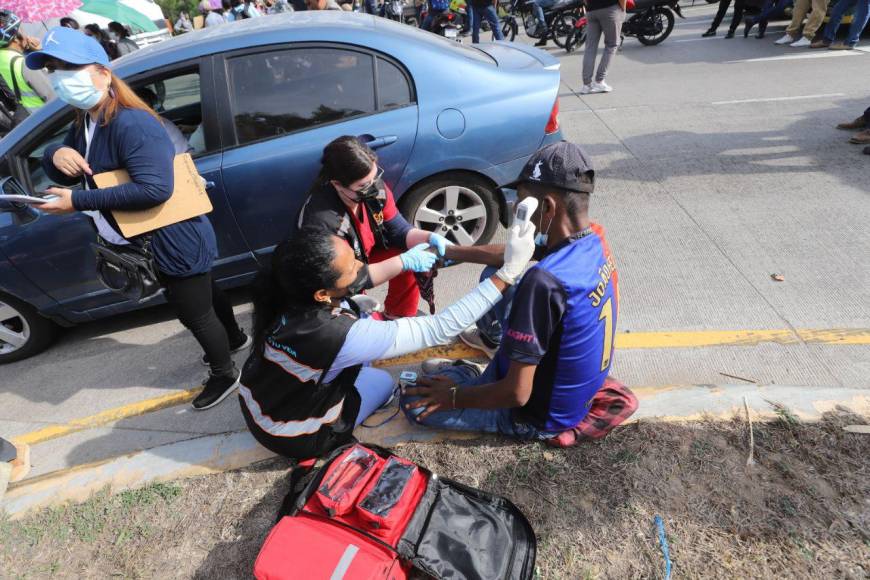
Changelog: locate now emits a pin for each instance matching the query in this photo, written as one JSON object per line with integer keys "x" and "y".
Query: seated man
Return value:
{"x": 549, "y": 378}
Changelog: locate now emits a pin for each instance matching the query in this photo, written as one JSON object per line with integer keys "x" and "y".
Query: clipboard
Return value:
{"x": 189, "y": 199}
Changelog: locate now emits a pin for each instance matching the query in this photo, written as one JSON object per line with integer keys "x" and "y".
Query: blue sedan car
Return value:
{"x": 258, "y": 100}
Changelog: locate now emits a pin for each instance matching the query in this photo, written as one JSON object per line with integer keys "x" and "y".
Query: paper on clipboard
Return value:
{"x": 189, "y": 199}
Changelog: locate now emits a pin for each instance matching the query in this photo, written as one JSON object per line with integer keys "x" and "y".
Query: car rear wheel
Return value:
{"x": 464, "y": 209}
{"x": 23, "y": 332}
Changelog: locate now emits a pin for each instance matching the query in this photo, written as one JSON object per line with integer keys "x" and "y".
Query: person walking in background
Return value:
{"x": 739, "y": 7}
{"x": 604, "y": 17}
{"x": 860, "y": 15}
{"x": 484, "y": 9}
{"x": 774, "y": 6}
{"x": 31, "y": 88}
{"x": 95, "y": 32}
{"x": 183, "y": 24}
{"x": 68, "y": 22}
{"x": 122, "y": 38}
{"x": 213, "y": 16}
{"x": 114, "y": 130}
{"x": 862, "y": 124}
{"x": 816, "y": 18}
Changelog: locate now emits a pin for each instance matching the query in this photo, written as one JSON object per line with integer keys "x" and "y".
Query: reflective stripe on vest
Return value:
{"x": 29, "y": 99}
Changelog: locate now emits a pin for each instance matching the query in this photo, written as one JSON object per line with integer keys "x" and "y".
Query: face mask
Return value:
{"x": 75, "y": 88}
{"x": 542, "y": 237}
{"x": 352, "y": 289}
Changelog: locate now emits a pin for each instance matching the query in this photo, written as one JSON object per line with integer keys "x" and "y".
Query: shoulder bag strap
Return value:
{"x": 15, "y": 77}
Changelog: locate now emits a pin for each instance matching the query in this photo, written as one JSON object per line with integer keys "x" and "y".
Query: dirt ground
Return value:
{"x": 803, "y": 511}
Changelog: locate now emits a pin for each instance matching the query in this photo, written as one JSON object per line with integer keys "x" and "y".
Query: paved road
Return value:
{"x": 717, "y": 165}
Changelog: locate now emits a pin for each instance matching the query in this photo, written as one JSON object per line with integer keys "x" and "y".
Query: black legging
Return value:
{"x": 739, "y": 7}
{"x": 205, "y": 310}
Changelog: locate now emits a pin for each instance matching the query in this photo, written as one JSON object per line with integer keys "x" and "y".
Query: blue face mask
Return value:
{"x": 75, "y": 88}
{"x": 543, "y": 237}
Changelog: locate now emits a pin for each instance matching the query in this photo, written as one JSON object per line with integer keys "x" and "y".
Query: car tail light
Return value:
{"x": 553, "y": 123}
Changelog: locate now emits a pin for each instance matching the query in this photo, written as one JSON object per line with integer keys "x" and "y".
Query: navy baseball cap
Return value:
{"x": 69, "y": 46}
{"x": 564, "y": 165}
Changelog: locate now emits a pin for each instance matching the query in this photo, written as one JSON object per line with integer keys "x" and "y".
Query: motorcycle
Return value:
{"x": 650, "y": 21}
{"x": 394, "y": 10}
{"x": 560, "y": 20}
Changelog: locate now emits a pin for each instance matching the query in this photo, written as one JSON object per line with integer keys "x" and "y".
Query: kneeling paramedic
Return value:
{"x": 549, "y": 378}
{"x": 307, "y": 383}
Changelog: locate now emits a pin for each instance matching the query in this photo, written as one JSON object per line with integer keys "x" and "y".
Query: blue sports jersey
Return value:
{"x": 563, "y": 319}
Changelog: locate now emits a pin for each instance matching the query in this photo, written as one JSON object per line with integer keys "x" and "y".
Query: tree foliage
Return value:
{"x": 172, "y": 8}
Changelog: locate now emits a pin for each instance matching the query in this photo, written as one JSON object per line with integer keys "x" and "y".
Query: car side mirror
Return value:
{"x": 11, "y": 186}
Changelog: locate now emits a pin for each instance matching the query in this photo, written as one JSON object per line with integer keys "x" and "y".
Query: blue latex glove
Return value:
{"x": 417, "y": 259}
{"x": 440, "y": 243}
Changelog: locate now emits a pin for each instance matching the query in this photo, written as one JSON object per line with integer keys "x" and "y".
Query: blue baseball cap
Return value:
{"x": 69, "y": 46}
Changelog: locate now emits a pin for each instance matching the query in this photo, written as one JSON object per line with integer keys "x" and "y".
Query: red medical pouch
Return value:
{"x": 366, "y": 513}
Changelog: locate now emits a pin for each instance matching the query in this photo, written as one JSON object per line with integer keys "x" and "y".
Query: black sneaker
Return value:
{"x": 709, "y": 33}
{"x": 241, "y": 342}
{"x": 542, "y": 42}
{"x": 216, "y": 389}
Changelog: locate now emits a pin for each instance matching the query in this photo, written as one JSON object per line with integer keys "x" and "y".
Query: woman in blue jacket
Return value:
{"x": 115, "y": 129}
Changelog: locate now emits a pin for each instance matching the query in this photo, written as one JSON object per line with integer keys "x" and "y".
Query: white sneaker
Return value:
{"x": 586, "y": 89}
{"x": 802, "y": 42}
{"x": 601, "y": 87}
{"x": 786, "y": 39}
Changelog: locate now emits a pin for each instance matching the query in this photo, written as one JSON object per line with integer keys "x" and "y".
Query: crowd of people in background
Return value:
{"x": 799, "y": 34}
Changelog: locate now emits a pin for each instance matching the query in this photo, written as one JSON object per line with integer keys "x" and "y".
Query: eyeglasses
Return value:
{"x": 366, "y": 190}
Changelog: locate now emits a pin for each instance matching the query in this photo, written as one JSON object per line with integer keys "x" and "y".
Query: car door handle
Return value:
{"x": 378, "y": 142}
{"x": 210, "y": 185}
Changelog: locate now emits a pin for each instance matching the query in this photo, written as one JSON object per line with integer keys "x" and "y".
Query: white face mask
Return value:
{"x": 75, "y": 87}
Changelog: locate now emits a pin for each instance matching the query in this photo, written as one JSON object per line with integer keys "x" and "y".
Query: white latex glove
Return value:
{"x": 518, "y": 250}
{"x": 367, "y": 304}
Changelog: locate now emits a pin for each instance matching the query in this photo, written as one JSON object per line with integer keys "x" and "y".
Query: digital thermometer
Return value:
{"x": 524, "y": 211}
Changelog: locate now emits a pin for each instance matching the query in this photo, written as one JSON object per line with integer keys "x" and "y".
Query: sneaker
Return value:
{"x": 729, "y": 34}
{"x": 786, "y": 39}
{"x": 820, "y": 44}
{"x": 709, "y": 33}
{"x": 241, "y": 342}
{"x": 841, "y": 46}
{"x": 866, "y": 150}
{"x": 543, "y": 41}
{"x": 434, "y": 366}
{"x": 216, "y": 389}
{"x": 585, "y": 89}
{"x": 802, "y": 42}
{"x": 852, "y": 125}
{"x": 473, "y": 338}
{"x": 601, "y": 87}
{"x": 861, "y": 138}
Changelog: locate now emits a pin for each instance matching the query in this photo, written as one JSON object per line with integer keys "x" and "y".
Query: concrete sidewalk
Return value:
{"x": 237, "y": 449}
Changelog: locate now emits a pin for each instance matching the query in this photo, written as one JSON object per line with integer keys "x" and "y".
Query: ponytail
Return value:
{"x": 300, "y": 267}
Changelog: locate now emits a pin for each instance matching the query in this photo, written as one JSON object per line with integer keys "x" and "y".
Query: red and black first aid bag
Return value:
{"x": 369, "y": 514}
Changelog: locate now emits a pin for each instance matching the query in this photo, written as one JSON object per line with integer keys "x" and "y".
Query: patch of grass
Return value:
{"x": 784, "y": 416}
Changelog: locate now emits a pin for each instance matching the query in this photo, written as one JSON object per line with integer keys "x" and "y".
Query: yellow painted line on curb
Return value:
{"x": 108, "y": 416}
{"x": 627, "y": 340}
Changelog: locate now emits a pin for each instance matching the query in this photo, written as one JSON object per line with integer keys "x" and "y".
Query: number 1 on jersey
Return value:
{"x": 607, "y": 316}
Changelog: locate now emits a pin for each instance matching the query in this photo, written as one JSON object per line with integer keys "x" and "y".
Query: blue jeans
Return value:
{"x": 491, "y": 324}
{"x": 484, "y": 12}
{"x": 538, "y": 7}
{"x": 859, "y": 20}
{"x": 769, "y": 8}
{"x": 479, "y": 420}
{"x": 371, "y": 7}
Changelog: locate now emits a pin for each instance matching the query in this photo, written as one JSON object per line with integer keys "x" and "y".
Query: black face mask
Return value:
{"x": 357, "y": 286}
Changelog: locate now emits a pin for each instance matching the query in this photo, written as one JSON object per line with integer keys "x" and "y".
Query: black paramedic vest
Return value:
{"x": 287, "y": 405}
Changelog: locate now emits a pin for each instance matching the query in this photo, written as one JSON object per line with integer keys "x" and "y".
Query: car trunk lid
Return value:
{"x": 519, "y": 56}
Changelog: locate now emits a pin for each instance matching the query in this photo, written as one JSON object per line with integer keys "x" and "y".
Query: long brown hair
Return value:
{"x": 120, "y": 96}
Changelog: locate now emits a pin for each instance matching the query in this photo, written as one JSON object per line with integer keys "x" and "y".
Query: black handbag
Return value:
{"x": 128, "y": 270}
